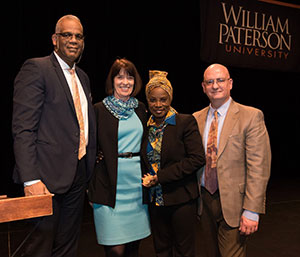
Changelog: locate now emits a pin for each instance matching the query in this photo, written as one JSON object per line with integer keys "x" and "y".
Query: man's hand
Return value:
{"x": 247, "y": 226}
{"x": 38, "y": 188}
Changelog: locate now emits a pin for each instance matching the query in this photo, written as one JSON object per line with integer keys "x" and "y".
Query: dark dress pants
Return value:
{"x": 220, "y": 240}
{"x": 173, "y": 229}
{"x": 58, "y": 235}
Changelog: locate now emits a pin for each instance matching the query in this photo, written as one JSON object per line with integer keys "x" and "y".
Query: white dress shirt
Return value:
{"x": 83, "y": 101}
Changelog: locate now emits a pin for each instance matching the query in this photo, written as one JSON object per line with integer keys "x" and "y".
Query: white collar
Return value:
{"x": 222, "y": 110}
{"x": 62, "y": 63}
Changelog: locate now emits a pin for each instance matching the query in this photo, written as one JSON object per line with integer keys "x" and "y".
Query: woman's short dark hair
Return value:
{"x": 130, "y": 68}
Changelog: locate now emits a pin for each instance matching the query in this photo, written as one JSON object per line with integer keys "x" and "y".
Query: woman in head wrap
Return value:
{"x": 172, "y": 153}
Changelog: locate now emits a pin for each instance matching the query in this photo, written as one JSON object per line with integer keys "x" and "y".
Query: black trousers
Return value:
{"x": 173, "y": 229}
{"x": 57, "y": 235}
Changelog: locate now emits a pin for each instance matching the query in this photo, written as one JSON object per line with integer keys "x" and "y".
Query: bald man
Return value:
{"x": 55, "y": 139}
{"x": 233, "y": 198}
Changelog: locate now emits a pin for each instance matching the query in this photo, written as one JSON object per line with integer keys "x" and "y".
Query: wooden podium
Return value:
{"x": 12, "y": 209}
{"x": 20, "y": 208}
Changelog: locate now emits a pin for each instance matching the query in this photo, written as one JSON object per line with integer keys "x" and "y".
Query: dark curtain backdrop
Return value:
{"x": 162, "y": 35}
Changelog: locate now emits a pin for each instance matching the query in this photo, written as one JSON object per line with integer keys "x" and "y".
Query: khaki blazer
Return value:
{"x": 244, "y": 161}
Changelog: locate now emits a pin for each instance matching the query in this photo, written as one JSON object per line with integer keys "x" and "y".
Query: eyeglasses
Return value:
{"x": 219, "y": 81}
{"x": 69, "y": 36}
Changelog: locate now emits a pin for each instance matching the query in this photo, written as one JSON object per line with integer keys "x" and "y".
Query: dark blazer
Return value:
{"x": 182, "y": 154}
{"x": 45, "y": 126}
{"x": 103, "y": 185}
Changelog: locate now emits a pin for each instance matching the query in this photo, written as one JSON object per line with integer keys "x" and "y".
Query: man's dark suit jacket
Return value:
{"x": 182, "y": 154}
{"x": 103, "y": 185}
{"x": 45, "y": 126}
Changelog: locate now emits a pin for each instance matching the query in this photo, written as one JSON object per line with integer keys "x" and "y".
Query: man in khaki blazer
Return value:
{"x": 230, "y": 214}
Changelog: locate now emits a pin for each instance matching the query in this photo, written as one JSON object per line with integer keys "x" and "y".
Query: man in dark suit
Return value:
{"x": 54, "y": 150}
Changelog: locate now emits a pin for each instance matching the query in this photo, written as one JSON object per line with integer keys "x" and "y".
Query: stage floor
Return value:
{"x": 278, "y": 234}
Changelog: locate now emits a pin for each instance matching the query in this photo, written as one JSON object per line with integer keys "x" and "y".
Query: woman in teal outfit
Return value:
{"x": 119, "y": 202}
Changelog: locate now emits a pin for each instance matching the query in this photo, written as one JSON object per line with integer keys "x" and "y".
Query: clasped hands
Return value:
{"x": 149, "y": 180}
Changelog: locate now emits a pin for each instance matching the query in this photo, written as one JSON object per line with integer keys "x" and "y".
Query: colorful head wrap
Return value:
{"x": 159, "y": 79}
